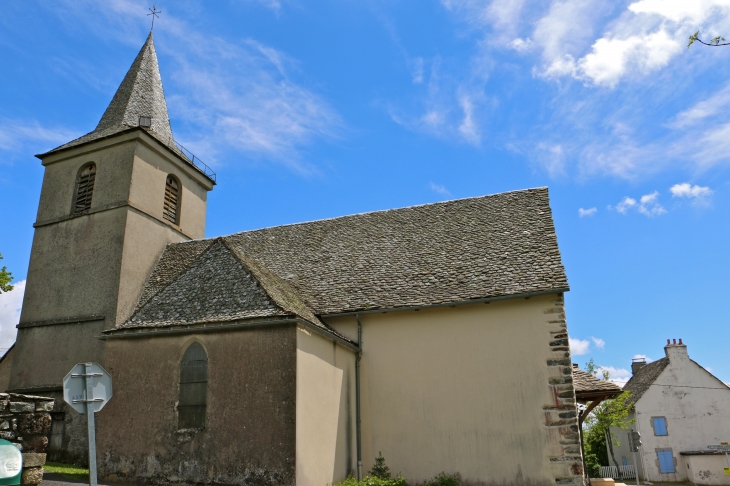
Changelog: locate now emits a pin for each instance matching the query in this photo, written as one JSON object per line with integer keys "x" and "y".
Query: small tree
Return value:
{"x": 5, "y": 279}
{"x": 598, "y": 437}
{"x": 380, "y": 470}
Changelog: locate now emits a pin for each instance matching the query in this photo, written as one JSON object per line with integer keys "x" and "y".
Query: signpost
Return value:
{"x": 87, "y": 388}
{"x": 722, "y": 447}
{"x": 634, "y": 444}
{"x": 11, "y": 463}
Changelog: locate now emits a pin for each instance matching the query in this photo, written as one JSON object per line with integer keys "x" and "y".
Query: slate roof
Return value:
{"x": 492, "y": 246}
{"x": 140, "y": 93}
{"x": 588, "y": 386}
{"x": 640, "y": 382}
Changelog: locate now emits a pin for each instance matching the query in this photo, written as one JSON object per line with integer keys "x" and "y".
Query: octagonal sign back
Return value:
{"x": 74, "y": 387}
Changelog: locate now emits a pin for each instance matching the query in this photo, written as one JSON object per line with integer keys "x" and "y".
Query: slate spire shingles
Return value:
{"x": 492, "y": 246}
{"x": 139, "y": 94}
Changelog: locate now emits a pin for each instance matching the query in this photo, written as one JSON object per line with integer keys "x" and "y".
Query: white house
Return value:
{"x": 680, "y": 408}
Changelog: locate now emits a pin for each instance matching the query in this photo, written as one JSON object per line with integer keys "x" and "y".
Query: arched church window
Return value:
{"x": 84, "y": 188}
{"x": 172, "y": 200}
{"x": 193, "y": 388}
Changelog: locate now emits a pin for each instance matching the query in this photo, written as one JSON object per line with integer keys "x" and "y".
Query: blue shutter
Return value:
{"x": 660, "y": 426}
{"x": 666, "y": 462}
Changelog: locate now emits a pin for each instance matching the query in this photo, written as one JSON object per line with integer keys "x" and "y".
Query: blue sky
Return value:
{"x": 308, "y": 110}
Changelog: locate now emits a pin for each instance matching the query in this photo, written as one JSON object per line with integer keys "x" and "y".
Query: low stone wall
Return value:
{"x": 25, "y": 421}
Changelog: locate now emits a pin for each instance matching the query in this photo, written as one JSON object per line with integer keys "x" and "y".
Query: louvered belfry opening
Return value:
{"x": 172, "y": 199}
{"x": 84, "y": 189}
{"x": 193, "y": 388}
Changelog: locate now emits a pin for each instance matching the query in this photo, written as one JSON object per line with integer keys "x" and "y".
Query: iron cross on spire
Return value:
{"x": 154, "y": 14}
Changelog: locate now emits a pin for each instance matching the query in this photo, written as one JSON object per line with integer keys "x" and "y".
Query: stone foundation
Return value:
{"x": 25, "y": 420}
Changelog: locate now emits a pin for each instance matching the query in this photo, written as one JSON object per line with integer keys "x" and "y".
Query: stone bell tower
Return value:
{"x": 110, "y": 202}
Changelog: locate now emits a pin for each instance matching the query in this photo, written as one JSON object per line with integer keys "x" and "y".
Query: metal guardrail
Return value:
{"x": 194, "y": 161}
{"x": 622, "y": 472}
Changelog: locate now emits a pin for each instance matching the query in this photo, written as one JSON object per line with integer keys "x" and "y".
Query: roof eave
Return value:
{"x": 382, "y": 310}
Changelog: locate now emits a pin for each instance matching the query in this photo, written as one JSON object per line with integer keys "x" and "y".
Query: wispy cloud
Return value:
{"x": 619, "y": 376}
{"x": 244, "y": 94}
{"x": 598, "y": 342}
{"x": 586, "y": 212}
{"x": 17, "y": 135}
{"x": 644, "y": 357}
{"x": 439, "y": 189}
{"x": 10, "y": 304}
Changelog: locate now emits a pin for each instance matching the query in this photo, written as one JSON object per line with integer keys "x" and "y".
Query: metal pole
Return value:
{"x": 357, "y": 398}
{"x": 90, "y": 409}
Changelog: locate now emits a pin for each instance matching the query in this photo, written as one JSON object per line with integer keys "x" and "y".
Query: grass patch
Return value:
{"x": 68, "y": 471}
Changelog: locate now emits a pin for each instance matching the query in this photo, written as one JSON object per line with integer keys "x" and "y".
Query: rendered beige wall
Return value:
{"x": 460, "y": 389}
{"x": 326, "y": 446}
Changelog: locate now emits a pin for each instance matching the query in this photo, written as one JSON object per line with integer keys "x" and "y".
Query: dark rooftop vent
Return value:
{"x": 145, "y": 121}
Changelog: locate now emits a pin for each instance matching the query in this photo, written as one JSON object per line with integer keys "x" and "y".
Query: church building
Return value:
{"x": 434, "y": 334}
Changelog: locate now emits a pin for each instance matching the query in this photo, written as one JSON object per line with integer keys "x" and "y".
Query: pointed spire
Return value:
{"x": 140, "y": 94}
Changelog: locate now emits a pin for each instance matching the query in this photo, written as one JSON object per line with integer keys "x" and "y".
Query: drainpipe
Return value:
{"x": 357, "y": 398}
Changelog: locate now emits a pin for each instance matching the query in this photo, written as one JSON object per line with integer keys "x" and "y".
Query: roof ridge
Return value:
{"x": 257, "y": 270}
{"x": 378, "y": 211}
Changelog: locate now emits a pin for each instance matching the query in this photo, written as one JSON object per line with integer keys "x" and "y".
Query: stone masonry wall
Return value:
{"x": 25, "y": 421}
{"x": 561, "y": 418}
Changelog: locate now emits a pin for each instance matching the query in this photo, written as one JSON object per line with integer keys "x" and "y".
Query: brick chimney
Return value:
{"x": 675, "y": 351}
{"x": 637, "y": 364}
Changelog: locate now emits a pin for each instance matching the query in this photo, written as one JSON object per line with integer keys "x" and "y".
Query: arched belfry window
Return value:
{"x": 84, "y": 188}
{"x": 172, "y": 200}
{"x": 193, "y": 388}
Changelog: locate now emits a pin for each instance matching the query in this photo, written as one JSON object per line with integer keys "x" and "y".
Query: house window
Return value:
{"x": 660, "y": 425}
{"x": 84, "y": 188}
{"x": 145, "y": 121}
{"x": 193, "y": 388}
{"x": 172, "y": 200}
{"x": 666, "y": 461}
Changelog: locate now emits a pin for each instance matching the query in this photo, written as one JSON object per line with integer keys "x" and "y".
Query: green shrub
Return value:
{"x": 443, "y": 479}
{"x": 372, "y": 481}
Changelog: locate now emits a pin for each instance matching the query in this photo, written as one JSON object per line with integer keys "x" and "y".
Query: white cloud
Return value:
{"x": 586, "y": 212}
{"x": 612, "y": 58}
{"x": 643, "y": 39}
{"x": 598, "y": 342}
{"x": 648, "y": 205}
{"x": 439, "y": 189}
{"x": 579, "y": 347}
{"x": 688, "y": 190}
{"x": 10, "y": 304}
{"x": 625, "y": 204}
{"x": 618, "y": 376}
{"x": 521, "y": 45}
{"x": 644, "y": 357}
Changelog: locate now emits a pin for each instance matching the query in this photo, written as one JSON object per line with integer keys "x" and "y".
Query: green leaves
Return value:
{"x": 693, "y": 38}
{"x": 714, "y": 42}
{"x": 5, "y": 279}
